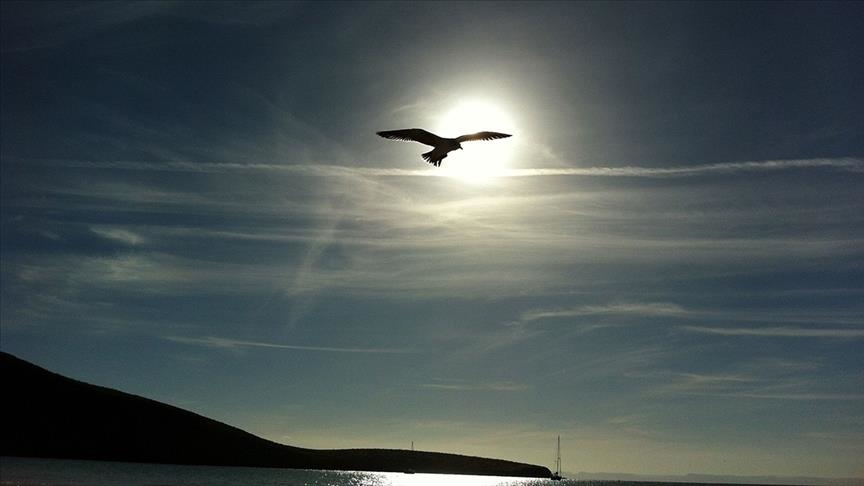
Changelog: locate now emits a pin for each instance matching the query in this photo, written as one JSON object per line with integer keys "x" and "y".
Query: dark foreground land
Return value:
{"x": 49, "y": 415}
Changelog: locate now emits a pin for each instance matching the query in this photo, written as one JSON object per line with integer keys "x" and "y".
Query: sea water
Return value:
{"x": 16, "y": 471}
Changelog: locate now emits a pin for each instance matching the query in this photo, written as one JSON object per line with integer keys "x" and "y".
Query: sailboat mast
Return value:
{"x": 558, "y": 460}
{"x": 556, "y": 476}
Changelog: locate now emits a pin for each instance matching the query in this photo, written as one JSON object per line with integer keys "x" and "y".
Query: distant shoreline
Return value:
{"x": 714, "y": 479}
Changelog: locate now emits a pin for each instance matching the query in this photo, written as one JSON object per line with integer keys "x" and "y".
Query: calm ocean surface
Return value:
{"x": 53, "y": 472}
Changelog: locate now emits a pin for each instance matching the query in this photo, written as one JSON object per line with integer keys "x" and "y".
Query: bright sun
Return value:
{"x": 480, "y": 161}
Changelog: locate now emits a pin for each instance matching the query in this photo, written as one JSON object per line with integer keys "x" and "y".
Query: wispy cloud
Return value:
{"x": 118, "y": 234}
{"x": 791, "y": 332}
{"x": 668, "y": 309}
{"x": 459, "y": 385}
{"x": 648, "y": 309}
{"x": 368, "y": 235}
{"x": 798, "y": 396}
{"x": 851, "y": 164}
{"x": 763, "y": 379}
{"x": 217, "y": 342}
{"x": 325, "y": 170}
{"x": 321, "y": 170}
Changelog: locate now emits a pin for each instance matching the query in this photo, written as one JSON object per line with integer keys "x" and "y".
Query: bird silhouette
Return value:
{"x": 441, "y": 146}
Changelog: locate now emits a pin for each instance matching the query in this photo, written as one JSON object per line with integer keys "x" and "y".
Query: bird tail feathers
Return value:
{"x": 434, "y": 157}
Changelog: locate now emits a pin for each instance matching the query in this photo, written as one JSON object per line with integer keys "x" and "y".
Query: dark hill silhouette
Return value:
{"x": 48, "y": 415}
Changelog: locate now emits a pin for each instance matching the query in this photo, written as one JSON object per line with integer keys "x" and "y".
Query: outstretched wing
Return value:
{"x": 413, "y": 135}
{"x": 482, "y": 136}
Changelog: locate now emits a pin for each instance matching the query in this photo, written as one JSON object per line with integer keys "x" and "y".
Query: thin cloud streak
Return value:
{"x": 666, "y": 309}
{"x": 851, "y": 164}
{"x": 321, "y": 170}
{"x": 644, "y": 309}
{"x": 496, "y": 386}
{"x": 118, "y": 234}
{"x": 778, "y": 332}
{"x": 787, "y": 396}
{"x": 754, "y": 384}
{"x": 216, "y": 342}
{"x": 761, "y": 380}
{"x": 325, "y": 170}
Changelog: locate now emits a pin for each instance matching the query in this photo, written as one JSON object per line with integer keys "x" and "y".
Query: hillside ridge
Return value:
{"x": 50, "y": 415}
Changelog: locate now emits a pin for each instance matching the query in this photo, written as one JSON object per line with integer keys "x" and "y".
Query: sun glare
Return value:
{"x": 480, "y": 161}
{"x": 400, "y": 479}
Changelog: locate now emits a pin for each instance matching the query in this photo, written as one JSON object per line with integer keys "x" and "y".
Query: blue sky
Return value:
{"x": 663, "y": 265}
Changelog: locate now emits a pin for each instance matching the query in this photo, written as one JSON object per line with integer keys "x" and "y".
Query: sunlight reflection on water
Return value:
{"x": 54, "y": 472}
{"x": 394, "y": 479}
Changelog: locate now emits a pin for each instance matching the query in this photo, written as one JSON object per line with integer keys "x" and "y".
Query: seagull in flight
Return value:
{"x": 441, "y": 146}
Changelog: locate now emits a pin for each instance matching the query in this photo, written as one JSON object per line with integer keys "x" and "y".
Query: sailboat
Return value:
{"x": 556, "y": 476}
